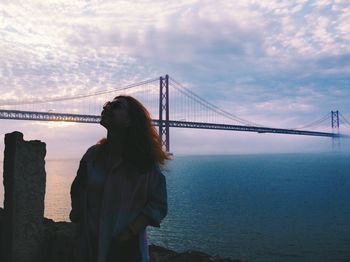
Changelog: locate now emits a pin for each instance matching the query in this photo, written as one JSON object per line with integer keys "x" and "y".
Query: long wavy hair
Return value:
{"x": 142, "y": 146}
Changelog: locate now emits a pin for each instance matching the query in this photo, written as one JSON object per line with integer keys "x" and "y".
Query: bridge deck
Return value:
{"x": 44, "y": 116}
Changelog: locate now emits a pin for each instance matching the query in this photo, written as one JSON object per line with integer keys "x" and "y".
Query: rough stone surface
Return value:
{"x": 161, "y": 254}
{"x": 61, "y": 241}
{"x": 60, "y": 236}
{"x": 24, "y": 184}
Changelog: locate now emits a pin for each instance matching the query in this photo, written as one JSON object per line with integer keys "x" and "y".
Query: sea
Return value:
{"x": 257, "y": 208}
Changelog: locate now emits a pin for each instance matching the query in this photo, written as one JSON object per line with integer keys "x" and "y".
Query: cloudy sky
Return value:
{"x": 277, "y": 63}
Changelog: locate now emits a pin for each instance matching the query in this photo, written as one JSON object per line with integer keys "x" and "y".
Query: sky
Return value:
{"x": 276, "y": 63}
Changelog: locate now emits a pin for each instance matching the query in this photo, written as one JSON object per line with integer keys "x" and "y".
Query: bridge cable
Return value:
{"x": 209, "y": 105}
{"x": 344, "y": 119}
{"x": 65, "y": 98}
{"x": 315, "y": 123}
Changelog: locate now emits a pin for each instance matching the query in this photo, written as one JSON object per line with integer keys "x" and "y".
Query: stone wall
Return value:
{"x": 24, "y": 185}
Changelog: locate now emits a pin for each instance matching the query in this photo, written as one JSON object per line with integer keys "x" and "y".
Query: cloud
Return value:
{"x": 280, "y": 63}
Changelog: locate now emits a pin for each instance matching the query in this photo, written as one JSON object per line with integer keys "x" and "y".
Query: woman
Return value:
{"x": 119, "y": 189}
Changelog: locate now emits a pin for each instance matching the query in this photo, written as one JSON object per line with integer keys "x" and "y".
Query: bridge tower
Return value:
{"x": 164, "y": 112}
{"x": 335, "y": 129}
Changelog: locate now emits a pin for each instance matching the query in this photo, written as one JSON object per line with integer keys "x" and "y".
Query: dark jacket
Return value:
{"x": 147, "y": 194}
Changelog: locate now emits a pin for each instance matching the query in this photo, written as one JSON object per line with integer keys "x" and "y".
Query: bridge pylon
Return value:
{"x": 164, "y": 112}
{"x": 335, "y": 129}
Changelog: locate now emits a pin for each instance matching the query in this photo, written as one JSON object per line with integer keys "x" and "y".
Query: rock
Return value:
{"x": 161, "y": 254}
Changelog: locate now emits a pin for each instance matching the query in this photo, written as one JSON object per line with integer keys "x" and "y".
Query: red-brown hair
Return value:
{"x": 142, "y": 145}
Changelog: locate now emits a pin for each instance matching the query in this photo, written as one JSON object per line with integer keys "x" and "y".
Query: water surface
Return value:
{"x": 289, "y": 207}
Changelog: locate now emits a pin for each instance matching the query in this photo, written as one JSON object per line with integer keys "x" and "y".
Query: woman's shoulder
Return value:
{"x": 91, "y": 152}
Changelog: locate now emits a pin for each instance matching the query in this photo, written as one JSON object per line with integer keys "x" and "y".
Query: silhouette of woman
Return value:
{"x": 119, "y": 189}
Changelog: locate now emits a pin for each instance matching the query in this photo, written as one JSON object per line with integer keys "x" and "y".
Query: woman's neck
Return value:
{"x": 115, "y": 142}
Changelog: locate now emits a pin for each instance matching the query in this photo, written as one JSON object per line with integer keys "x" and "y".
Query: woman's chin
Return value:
{"x": 104, "y": 123}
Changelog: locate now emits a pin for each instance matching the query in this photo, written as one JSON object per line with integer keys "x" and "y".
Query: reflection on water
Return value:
{"x": 58, "y": 182}
{"x": 59, "y": 177}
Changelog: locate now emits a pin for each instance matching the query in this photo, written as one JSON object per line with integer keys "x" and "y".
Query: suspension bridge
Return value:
{"x": 175, "y": 105}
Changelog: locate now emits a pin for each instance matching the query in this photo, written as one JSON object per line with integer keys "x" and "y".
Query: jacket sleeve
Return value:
{"x": 157, "y": 205}
{"x": 78, "y": 185}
